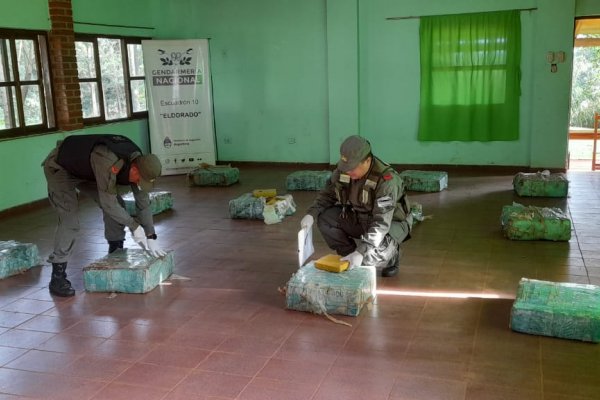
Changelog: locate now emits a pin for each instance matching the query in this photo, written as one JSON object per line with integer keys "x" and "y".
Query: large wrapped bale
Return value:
{"x": 307, "y": 180}
{"x": 521, "y": 222}
{"x": 322, "y": 292}
{"x": 159, "y": 202}
{"x": 425, "y": 181}
{"x": 16, "y": 257}
{"x": 564, "y": 310}
{"x": 127, "y": 271}
{"x": 271, "y": 210}
{"x": 541, "y": 184}
{"x": 213, "y": 175}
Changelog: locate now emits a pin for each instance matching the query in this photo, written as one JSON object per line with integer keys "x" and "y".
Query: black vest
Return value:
{"x": 74, "y": 154}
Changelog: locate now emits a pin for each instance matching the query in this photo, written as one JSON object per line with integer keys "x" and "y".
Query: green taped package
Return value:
{"x": 16, "y": 257}
{"x": 425, "y": 181}
{"x": 159, "y": 202}
{"x": 247, "y": 206}
{"x": 317, "y": 291}
{"x": 563, "y": 310}
{"x": 541, "y": 184}
{"x": 307, "y": 180}
{"x": 521, "y": 222}
{"x": 213, "y": 175}
{"x": 127, "y": 271}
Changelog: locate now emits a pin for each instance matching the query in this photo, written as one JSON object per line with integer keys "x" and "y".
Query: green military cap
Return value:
{"x": 352, "y": 151}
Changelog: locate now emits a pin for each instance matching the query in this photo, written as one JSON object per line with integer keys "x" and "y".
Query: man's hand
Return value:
{"x": 307, "y": 221}
{"x": 154, "y": 249}
{"x": 140, "y": 237}
{"x": 355, "y": 259}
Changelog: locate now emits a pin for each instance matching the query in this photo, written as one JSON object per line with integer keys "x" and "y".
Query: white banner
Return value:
{"x": 180, "y": 110}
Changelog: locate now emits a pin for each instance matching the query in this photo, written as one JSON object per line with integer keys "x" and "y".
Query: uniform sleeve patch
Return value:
{"x": 114, "y": 169}
{"x": 387, "y": 177}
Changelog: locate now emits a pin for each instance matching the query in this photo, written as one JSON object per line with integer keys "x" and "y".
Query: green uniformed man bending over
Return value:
{"x": 364, "y": 201}
{"x": 95, "y": 165}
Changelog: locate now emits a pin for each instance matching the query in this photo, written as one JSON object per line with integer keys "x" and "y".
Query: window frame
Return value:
{"x": 43, "y": 82}
{"x": 127, "y": 78}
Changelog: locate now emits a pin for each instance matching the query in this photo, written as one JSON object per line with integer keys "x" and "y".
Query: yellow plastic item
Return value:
{"x": 331, "y": 263}
{"x": 264, "y": 192}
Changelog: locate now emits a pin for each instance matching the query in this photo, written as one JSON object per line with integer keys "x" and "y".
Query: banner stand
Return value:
{"x": 180, "y": 109}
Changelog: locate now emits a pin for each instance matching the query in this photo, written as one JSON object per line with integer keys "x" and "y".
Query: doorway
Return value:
{"x": 585, "y": 93}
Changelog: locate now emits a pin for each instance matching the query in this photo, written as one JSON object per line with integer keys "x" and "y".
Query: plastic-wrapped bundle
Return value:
{"x": 271, "y": 210}
{"x": 127, "y": 271}
{"x": 213, "y": 175}
{"x": 320, "y": 292}
{"x": 159, "y": 202}
{"x": 564, "y": 310}
{"x": 541, "y": 184}
{"x": 521, "y": 222}
{"x": 16, "y": 257}
{"x": 425, "y": 181}
{"x": 307, "y": 180}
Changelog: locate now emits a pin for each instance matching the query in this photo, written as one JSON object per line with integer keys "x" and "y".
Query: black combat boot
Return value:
{"x": 59, "y": 284}
{"x": 114, "y": 245}
{"x": 392, "y": 267}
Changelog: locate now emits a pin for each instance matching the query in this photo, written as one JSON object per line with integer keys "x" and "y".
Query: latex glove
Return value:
{"x": 355, "y": 259}
{"x": 140, "y": 237}
{"x": 307, "y": 221}
{"x": 154, "y": 249}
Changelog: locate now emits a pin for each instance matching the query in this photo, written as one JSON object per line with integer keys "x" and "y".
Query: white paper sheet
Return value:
{"x": 305, "y": 245}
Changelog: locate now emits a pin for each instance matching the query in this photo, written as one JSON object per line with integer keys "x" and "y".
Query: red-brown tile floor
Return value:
{"x": 441, "y": 331}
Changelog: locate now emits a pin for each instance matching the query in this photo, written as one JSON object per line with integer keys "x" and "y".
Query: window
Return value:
{"x": 470, "y": 77}
{"x": 111, "y": 78}
{"x": 25, "y": 96}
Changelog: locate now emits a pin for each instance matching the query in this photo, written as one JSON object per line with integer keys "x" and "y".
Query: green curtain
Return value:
{"x": 470, "y": 77}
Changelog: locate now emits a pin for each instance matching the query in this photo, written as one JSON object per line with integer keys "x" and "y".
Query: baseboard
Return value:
{"x": 23, "y": 208}
{"x": 460, "y": 169}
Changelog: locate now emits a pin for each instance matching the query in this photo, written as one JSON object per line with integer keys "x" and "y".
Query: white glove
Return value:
{"x": 307, "y": 221}
{"x": 355, "y": 259}
{"x": 140, "y": 237}
{"x": 154, "y": 249}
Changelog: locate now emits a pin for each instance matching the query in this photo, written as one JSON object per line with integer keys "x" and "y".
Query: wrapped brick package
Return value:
{"x": 16, "y": 257}
{"x": 425, "y": 181}
{"x": 541, "y": 184}
{"x": 159, "y": 202}
{"x": 213, "y": 175}
{"x": 317, "y": 291}
{"x": 127, "y": 271}
{"x": 521, "y": 222}
{"x": 563, "y": 310}
{"x": 307, "y": 180}
{"x": 274, "y": 209}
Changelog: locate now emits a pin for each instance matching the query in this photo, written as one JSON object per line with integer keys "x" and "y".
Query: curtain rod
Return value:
{"x": 113, "y": 26}
{"x": 438, "y": 15}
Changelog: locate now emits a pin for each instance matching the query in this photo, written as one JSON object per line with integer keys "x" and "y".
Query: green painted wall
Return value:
{"x": 30, "y": 14}
{"x": 269, "y": 74}
{"x": 389, "y": 86}
{"x": 312, "y": 72}
{"x": 586, "y": 8}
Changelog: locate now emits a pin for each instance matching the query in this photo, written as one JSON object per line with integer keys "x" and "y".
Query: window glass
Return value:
{"x": 113, "y": 81}
{"x": 86, "y": 64}
{"x": 26, "y": 59}
{"x": 32, "y": 104}
{"x": 138, "y": 95}
{"x": 6, "y": 61}
{"x": 25, "y": 93}
{"x": 90, "y": 99}
{"x": 136, "y": 61}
